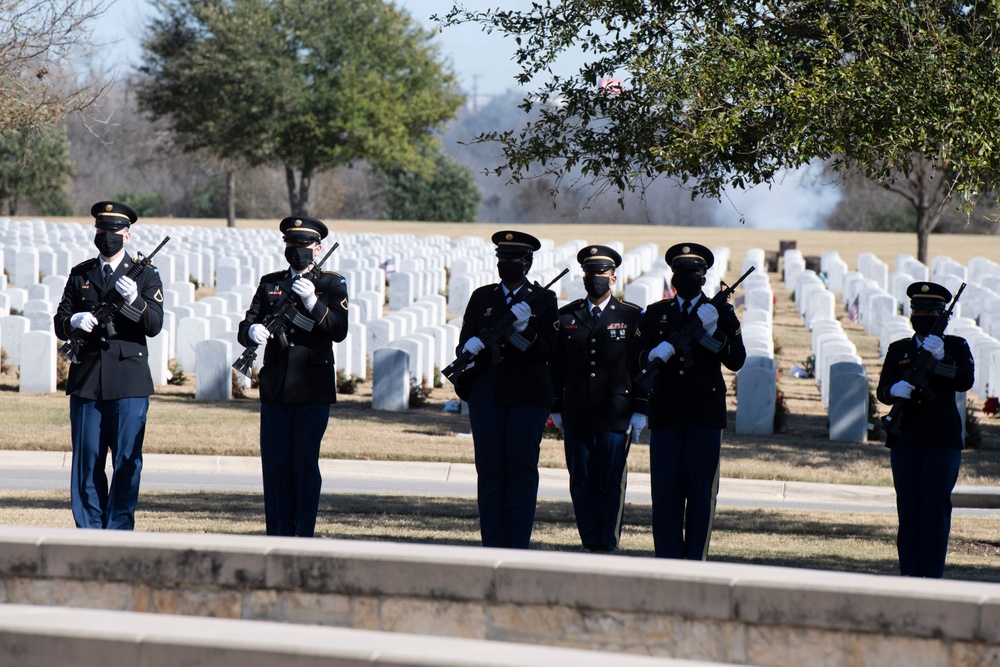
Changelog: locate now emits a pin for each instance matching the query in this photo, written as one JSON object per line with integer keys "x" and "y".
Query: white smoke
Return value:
{"x": 799, "y": 199}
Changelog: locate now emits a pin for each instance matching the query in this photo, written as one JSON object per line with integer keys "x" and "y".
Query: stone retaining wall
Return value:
{"x": 707, "y": 611}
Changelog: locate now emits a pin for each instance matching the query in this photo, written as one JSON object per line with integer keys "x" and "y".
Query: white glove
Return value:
{"x": 935, "y": 346}
{"x": 126, "y": 287}
{"x": 473, "y": 346}
{"x": 557, "y": 420}
{"x": 901, "y": 389}
{"x": 306, "y": 291}
{"x": 522, "y": 313}
{"x": 258, "y": 333}
{"x": 637, "y": 423}
{"x": 709, "y": 317}
{"x": 85, "y": 321}
{"x": 663, "y": 351}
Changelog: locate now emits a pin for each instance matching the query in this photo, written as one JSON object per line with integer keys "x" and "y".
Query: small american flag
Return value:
{"x": 852, "y": 310}
{"x": 389, "y": 266}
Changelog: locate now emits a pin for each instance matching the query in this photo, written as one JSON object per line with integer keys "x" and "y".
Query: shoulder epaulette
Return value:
{"x": 570, "y": 307}
{"x": 629, "y": 304}
{"x": 86, "y": 264}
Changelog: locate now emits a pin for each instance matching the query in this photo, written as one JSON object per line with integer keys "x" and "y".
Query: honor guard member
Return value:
{"x": 109, "y": 387}
{"x": 926, "y": 456}
{"x": 595, "y": 404}
{"x": 298, "y": 381}
{"x": 687, "y": 405}
{"x": 510, "y": 393}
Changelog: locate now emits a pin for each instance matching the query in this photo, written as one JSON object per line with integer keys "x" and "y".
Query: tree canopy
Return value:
{"x": 39, "y": 40}
{"x": 307, "y": 84}
{"x": 729, "y": 94}
{"x": 449, "y": 194}
{"x": 35, "y": 166}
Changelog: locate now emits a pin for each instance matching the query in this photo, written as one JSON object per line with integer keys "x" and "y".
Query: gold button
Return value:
{"x": 593, "y": 340}
{"x": 593, "y": 375}
{"x": 291, "y": 330}
{"x": 140, "y": 354}
{"x": 293, "y": 345}
{"x": 593, "y": 351}
{"x": 593, "y": 363}
{"x": 682, "y": 372}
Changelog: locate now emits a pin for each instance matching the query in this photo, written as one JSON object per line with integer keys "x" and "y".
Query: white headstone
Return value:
{"x": 390, "y": 380}
{"x": 213, "y": 374}
{"x": 38, "y": 362}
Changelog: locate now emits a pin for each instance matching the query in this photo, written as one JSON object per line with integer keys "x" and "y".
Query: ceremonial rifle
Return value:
{"x": 284, "y": 315}
{"x": 492, "y": 336}
{"x": 684, "y": 338}
{"x": 919, "y": 373}
{"x": 111, "y": 302}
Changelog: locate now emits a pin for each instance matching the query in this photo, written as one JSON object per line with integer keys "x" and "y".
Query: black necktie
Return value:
{"x": 595, "y": 313}
{"x": 107, "y": 276}
{"x": 686, "y": 308}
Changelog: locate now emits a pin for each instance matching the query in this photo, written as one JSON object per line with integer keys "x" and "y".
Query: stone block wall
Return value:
{"x": 720, "y": 612}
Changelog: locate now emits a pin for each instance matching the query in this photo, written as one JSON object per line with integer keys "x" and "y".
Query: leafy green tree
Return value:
{"x": 729, "y": 94}
{"x": 307, "y": 84}
{"x": 35, "y": 166}
{"x": 448, "y": 194}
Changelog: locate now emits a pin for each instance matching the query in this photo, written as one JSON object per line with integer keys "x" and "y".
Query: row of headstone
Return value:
{"x": 837, "y": 368}
{"x": 756, "y": 382}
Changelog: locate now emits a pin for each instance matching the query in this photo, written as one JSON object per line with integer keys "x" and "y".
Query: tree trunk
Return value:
{"x": 922, "y": 238}
{"x": 298, "y": 195}
{"x": 230, "y": 197}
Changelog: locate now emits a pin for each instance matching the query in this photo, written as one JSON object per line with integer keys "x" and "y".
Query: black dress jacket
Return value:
{"x": 936, "y": 422}
{"x": 111, "y": 367}
{"x": 303, "y": 371}
{"x": 590, "y": 375}
{"x": 687, "y": 397}
{"x": 522, "y": 378}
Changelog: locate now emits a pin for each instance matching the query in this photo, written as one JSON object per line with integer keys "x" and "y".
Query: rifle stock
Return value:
{"x": 919, "y": 374}
{"x": 491, "y": 337}
{"x": 284, "y": 315}
{"x": 684, "y": 338}
{"x": 110, "y": 303}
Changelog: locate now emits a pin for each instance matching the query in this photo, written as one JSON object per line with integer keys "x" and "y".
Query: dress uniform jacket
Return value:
{"x": 929, "y": 423}
{"x": 593, "y": 386}
{"x": 111, "y": 367}
{"x": 522, "y": 378}
{"x": 302, "y": 372}
{"x": 693, "y": 397}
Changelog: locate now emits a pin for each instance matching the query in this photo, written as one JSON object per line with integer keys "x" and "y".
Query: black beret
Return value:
{"x": 928, "y": 296}
{"x": 515, "y": 244}
{"x": 598, "y": 258}
{"x": 690, "y": 256}
{"x": 112, "y": 215}
{"x": 303, "y": 229}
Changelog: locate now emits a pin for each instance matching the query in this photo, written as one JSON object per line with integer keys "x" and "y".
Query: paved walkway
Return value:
{"x": 50, "y": 470}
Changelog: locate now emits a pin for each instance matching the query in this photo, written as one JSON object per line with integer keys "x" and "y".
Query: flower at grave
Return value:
{"x": 991, "y": 406}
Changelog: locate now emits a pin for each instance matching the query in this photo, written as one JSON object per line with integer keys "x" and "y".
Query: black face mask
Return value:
{"x": 596, "y": 286}
{"x": 510, "y": 272}
{"x": 299, "y": 258}
{"x": 687, "y": 283}
{"x": 922, "y": 324}
{"x": 109, "y": 244}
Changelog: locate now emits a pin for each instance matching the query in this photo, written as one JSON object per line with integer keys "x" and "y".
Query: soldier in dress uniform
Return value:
{"x": 109, "y": 387}
{"x": 687, "y": 404}
{"x": 298, "y": 381}
{"x": 510, "y": 391}
{"x": 595, "y": 405}
{"x": 926, "y": 456}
